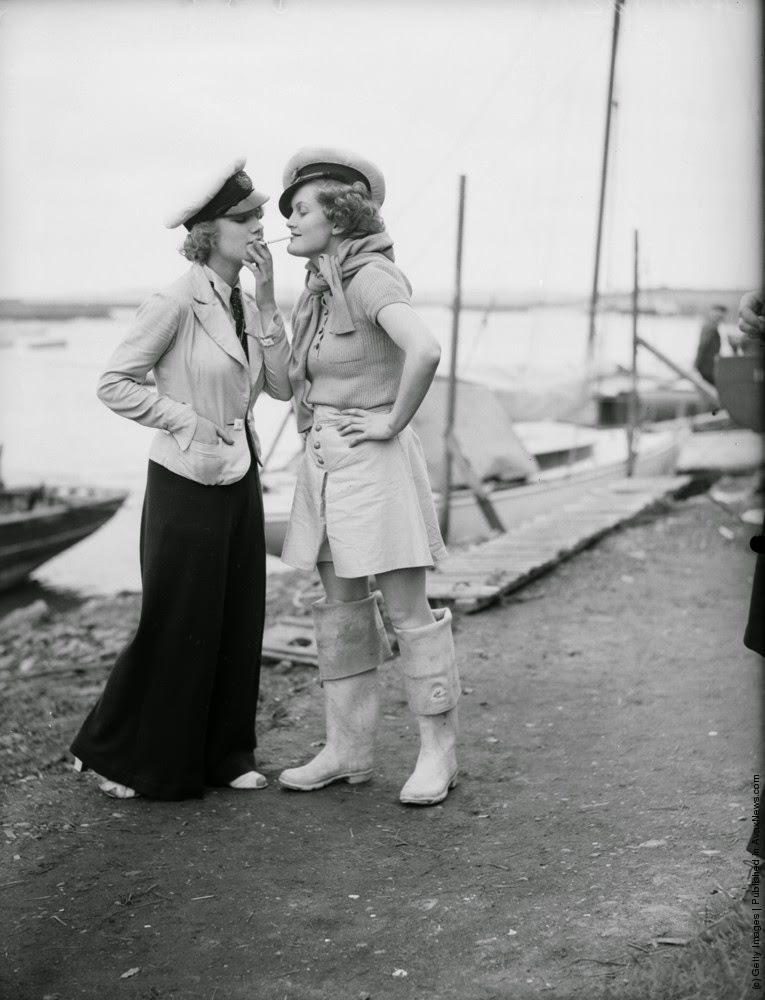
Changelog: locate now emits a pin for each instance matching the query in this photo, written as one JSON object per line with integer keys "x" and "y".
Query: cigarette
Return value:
{"x": 280, "y": 240}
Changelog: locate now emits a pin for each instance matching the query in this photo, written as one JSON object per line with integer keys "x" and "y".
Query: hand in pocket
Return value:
{"x": 209, "y": 433}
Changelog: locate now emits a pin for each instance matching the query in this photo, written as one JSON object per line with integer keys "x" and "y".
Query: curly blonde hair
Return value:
{"x": 350, "y": 207}
{"x": 200, "y": 241}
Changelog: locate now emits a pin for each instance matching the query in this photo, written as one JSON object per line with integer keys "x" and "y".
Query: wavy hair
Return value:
{"x": 200, "y": 241}
{"x": 350, "y": 207}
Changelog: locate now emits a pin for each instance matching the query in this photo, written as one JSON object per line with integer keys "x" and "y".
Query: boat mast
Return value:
{"x": 603, "y": 175}
{"x": 451, "y": 400}
{"x": 632, "y": 424}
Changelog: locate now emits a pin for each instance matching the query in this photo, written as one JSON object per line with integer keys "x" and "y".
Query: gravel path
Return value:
{"x": 608, "y": 749}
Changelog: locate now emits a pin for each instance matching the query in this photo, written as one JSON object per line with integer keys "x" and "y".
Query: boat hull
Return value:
{"x": 516, "y": 504}
{"x": 29, "y": 538}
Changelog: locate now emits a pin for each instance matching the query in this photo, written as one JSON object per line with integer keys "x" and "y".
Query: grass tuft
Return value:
{"x": 716, "y": 965}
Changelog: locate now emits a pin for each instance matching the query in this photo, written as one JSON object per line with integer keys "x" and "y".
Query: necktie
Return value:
{"x": 237, "y": 310}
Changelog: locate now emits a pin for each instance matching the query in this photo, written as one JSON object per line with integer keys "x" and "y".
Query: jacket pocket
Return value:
{"x": 204, "y": 462}
{"x": 204, "y": 448}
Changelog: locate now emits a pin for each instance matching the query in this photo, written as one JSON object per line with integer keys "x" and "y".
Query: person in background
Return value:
{"x": 709, "y": 343}
{"x": 362, "y": 364}
{"x": 751, "y": 323}
{"x": 178, "y": 710}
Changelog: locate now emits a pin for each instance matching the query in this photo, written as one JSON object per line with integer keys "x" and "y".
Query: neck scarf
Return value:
{"x": 332, "y": 271}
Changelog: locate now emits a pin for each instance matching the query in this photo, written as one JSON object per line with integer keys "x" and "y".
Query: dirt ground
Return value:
{"x": 605, "y": 800}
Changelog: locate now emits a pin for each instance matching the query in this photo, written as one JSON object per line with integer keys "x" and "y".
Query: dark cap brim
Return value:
{"x": 315, "y": 171}
{"x": 285, "y": 198}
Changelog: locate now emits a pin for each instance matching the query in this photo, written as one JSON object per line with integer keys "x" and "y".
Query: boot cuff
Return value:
{"x": 350, "y": 637}
{"x": 429, "y": 665}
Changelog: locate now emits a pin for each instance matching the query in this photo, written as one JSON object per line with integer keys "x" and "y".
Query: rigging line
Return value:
{"x": 664, "y": 55}
{"x": 484, "y": 103}
{"x": 483, "y": 323}
{"x": 556, "y": 218}
{"x": 552, "y": 93}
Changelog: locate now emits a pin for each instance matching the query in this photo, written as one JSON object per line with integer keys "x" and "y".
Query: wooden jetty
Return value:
{"x": 476, "y": 577}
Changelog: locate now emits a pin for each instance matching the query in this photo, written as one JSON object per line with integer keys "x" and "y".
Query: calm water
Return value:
{"x": 53, "y": 428}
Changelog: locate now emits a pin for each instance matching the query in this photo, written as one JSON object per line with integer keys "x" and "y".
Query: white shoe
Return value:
{"x": 249, "y": 780}
{"x": 111, "y": 788}
{"x": 117, "y": 791}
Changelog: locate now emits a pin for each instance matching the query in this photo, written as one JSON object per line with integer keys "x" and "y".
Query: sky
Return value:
{"x": 112, "y": 111}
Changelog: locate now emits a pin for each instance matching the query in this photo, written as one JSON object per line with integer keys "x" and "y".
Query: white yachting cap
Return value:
{"x": 227, "y": 192}
{"x": 313, "y": 162}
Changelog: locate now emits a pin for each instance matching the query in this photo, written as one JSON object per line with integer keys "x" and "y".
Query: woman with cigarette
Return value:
{"x": 178, "y": 710}
{"x": 362, "y": 364}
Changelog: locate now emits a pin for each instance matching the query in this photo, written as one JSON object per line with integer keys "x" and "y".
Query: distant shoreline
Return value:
{"x": 17, "y": 309}
{"x": 653, "y": 301}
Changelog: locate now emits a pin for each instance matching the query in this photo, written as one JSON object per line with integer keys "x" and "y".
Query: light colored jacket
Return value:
{"x": 185, "y": 336}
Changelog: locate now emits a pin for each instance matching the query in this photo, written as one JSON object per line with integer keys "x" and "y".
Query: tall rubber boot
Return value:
{"x": 433, "y": 688}
{"x": 351, "y": 644}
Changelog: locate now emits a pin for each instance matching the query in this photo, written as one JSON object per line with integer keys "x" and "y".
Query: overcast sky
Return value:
{"x": 110, "y": 110}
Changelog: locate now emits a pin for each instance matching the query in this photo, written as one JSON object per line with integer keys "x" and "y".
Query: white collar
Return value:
{"x": 221, "y": 287}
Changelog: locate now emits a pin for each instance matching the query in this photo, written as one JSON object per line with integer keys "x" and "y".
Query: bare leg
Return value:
{"x": 340, "y": 588}
{"x": 406, "y": 597}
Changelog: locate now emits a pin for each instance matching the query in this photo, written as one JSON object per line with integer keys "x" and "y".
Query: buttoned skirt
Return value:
{"x": 368, "y": 509}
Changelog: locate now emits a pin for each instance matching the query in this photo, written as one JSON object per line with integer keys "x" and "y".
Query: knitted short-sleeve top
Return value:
{"x": 362, "y": 368}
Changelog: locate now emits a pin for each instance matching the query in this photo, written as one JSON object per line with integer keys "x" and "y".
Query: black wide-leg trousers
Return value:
{"x": 178, "y": 710}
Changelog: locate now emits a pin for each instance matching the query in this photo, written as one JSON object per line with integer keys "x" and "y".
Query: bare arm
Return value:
{"x": 422, "y": 353}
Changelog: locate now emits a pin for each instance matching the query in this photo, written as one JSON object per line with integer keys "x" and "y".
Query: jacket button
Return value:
{"x": 317, "y": 427}
{"x": 317, "y": 444}
{"x": 320, "y": 461}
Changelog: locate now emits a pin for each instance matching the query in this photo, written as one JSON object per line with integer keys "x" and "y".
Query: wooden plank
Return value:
{"x": 489, "y": 568}
{"x": 290, "y": 639}
{"x": 477, "y": 577}
{"x": 460, "y": 588}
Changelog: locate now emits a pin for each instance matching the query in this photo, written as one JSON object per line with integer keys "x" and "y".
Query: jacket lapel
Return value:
{"x": 212, "y": 318}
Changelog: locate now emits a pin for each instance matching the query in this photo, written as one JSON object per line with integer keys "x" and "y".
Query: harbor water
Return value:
{"x": 53, "y": 429}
